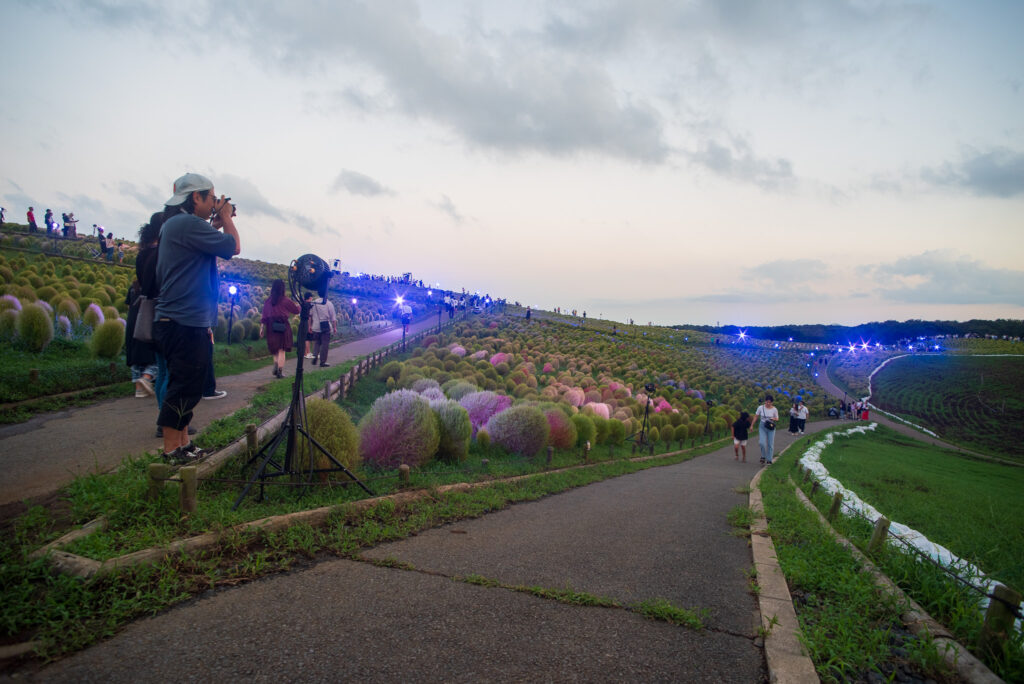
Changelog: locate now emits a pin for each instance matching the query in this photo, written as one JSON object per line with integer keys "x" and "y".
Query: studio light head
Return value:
{"x": 309, "y": 272}
{"x": 650, "y": 387}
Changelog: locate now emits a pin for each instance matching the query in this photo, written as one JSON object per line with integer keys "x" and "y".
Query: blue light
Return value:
{"x": 232, "y": 290}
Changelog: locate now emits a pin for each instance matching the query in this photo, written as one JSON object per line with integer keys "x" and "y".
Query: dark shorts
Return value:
{"x": 188, "y": 352}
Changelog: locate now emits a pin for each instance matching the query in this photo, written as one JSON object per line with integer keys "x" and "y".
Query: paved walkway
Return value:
{"x": 658, "y": 533}
{"x": 42, "y": 455}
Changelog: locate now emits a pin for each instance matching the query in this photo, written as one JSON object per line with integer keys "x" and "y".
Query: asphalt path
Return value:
{"x": 660, "y": 533}
{"x": 42, "y": 455}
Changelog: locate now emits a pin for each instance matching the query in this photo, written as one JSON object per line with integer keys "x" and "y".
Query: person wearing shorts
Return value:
{"x": 739, "y": 435}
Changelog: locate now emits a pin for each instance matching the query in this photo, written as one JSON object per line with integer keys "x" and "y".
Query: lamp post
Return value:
{"x": 233, "y": 291}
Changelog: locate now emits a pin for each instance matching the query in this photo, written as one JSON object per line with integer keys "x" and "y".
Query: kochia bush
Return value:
{"x": 585, "y": 430}
{"x": 35, "y": 327}
{"x": 457, "y": 389}
{"x": 332, "y": 428}
{"x": 521, "y": 429}
{"x": 107, "y": 339}
{"x": 482, "y": 405}
{"x": 455, "y": 430}
{"x": 399, "y": 428}
{"x": 561, "y": 429}
{"x": 93, "y": 315}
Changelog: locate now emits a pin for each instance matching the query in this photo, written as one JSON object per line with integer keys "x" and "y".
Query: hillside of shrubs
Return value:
{"x": 62, "y": 315}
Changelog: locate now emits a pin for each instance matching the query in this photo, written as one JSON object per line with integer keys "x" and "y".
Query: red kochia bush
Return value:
{"x": 399, "y": 428}
{"x": 521, "y": 429}
{"x": 562, "y": 431}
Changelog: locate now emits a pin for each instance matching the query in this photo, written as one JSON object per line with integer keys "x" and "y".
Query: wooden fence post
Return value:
{"x": 998, "y": 621}
{"x": 807, "y": 474}
{"x": 814, "y": 488}
{"x": 188, "y": 488}
{"x": 403, "y": 475}
{"x": 157, "y": 473}
{"x": 551, "y": 451}
{"x": 879, "y": 535}
{"x": 252, "y": 441}
{"x": 833, "y": 511}
{"x": 327, "y": 389}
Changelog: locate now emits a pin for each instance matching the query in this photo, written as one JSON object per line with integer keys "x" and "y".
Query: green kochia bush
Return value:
{"x": 332, "y": 428}
{"x": 8, "y": 323}
{"x": 455, "y": 430}
{"x": 521, "y": 429}
{"x": 399, "y": 428}
{"x": 35, "y": 327}
{"x": 107, "y": 339}
{"x": 585, "y": 430}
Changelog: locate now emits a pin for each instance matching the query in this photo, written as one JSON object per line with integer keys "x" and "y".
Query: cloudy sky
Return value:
{"x": 733, "y": 161}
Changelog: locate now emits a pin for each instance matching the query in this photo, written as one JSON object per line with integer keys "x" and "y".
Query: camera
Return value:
{"x": 234, "y": 210}
{"x": 650, "y": 387}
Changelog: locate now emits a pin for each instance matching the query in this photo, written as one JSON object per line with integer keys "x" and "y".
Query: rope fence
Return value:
{"x": 1003, "y": 613}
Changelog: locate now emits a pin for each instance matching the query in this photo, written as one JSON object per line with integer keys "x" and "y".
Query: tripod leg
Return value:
{"x": 270, "y": 448}
{"x": 338, "y": 464}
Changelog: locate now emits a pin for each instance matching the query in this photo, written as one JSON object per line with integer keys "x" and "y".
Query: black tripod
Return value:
{"x": 293, "y": 424}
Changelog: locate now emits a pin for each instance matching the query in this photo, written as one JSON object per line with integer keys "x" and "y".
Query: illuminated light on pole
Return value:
{"x": 233, "y": 291}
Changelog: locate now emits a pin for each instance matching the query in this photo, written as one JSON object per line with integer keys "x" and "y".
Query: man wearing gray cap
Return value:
{"x": 187, "y": 308}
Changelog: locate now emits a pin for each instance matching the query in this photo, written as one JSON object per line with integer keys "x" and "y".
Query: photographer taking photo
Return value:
{"x": 187, "y": 309}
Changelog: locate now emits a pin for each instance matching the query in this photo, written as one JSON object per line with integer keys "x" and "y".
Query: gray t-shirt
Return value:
{"x": 187, "y": 270}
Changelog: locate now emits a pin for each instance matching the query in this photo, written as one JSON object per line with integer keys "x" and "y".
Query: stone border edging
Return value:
{"x": 917, "y": 620}
{"x": 787, "y": 659}
{"x": 80, "y": 566}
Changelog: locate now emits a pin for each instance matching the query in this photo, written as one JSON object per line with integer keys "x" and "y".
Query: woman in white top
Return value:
{"x": 769, "y": 417}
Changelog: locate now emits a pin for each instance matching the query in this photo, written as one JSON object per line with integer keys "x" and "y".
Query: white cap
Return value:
{"x": 186, "y": 185}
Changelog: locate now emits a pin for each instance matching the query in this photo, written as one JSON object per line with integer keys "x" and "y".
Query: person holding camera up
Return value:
{"x": 768, "y": 414}
{"x": 187, "y": 309}
{"x": 323, "y": 321}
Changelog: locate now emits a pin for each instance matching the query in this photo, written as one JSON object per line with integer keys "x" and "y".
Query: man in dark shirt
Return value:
{"x": 187, "y": 309}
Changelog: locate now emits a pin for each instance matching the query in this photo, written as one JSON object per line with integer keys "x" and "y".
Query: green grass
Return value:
{"x": 951, "y": 603}
{"x": 848, "y": 629}
{"x": 974, "y": 401}
{"x": 972, "y": 507}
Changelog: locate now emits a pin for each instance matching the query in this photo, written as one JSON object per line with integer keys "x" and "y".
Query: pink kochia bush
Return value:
{"x": 598, "y": 409}
{"x": 482, "y": 405}
{"x": 521, "y": 429}
{"x": 574, "y": 397}
{"x": 9, "y": 301}
{"x": 399, "y": 428}
{"x": 500, "y": 357}
{"x": 477, "y": 355}
{"x": 561, "y": 429}
{"x": 458, "y": 350}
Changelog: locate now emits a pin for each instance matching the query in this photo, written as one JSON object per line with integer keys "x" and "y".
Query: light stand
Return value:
{"x": 303, "y": 272}
{"x": 645, "y": 425}
{"x": 707, "y": 422}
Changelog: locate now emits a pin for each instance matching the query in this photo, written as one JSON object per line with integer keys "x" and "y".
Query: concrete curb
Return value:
{"x": 786, "y": 657}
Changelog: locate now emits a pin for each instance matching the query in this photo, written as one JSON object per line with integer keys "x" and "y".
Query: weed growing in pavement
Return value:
{"x": 763, "y": 630}
{"x": 664, "y": 610}
{"x": 740, "y": 518}
{"x": 847, "y": 627}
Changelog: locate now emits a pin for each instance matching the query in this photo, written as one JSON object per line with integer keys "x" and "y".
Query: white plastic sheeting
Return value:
{"x": 811, "y": 459}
